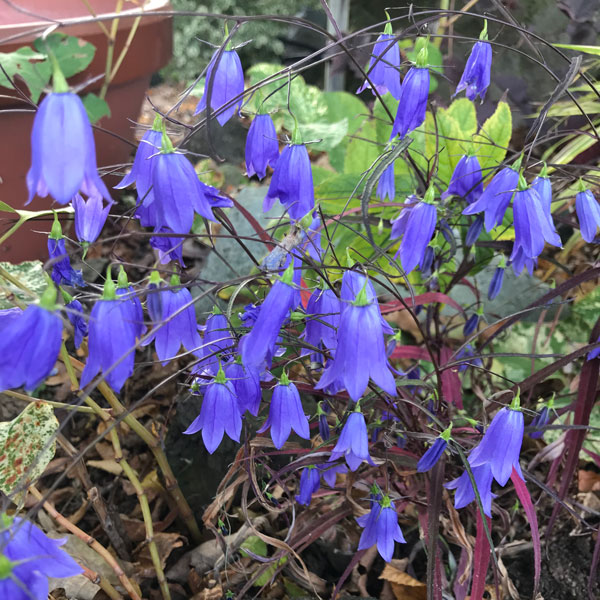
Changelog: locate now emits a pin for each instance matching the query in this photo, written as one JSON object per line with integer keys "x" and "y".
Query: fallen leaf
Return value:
{"x": 79, "y": 587}
{"x": 589, "y": 481}
{"x": 110, "y": 466}
{"x": 404, "y": 586}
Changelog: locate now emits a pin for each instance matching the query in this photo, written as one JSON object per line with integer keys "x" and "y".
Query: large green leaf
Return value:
{"x": 73, "y": 54}
{"x": 362, "y": 150}
{"x": 463, "y": 111}
{"x": 450, "y": 144}
{"x": 493, "y": 139}
{"x": 30, "y": 66}
{"x": 26, "y": 447}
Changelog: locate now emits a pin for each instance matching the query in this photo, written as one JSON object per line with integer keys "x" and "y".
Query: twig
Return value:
{"x": 104, "y": 584}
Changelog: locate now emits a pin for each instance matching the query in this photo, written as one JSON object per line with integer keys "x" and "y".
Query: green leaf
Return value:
{"x": 329, "y": 134}
{"x": 463, "y": 111}
{"x": 493, "y": 139}
{"x": 19, "y": 63}
{"x": 30, "y": 273}
{"x": 73, "y": 54}
{"x": 450, "y": 144}
{"x": 383, "y": 124}
{"x": 270, "y": 571}
{"x": 595, "y": 50}
{"x": 6, "y": 208}
{"x": 26, "y": 447}
{"x": 255, "y": 545}
{"x": 95, "y": 107}
{"x": 362, "y": 150}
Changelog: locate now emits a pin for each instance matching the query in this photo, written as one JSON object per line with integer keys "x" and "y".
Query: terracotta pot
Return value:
{"x": 150, "y": 50}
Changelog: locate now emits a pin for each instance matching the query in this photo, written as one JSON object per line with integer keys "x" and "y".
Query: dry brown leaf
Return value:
{"x": 589, "y": 481}
{"x": 404, "y": 586}
{"x": 110, "y": 466}
{"x": 165, "y": 544}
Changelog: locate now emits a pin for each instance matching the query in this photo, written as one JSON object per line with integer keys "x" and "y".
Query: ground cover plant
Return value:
{"x": 368, "y": 367}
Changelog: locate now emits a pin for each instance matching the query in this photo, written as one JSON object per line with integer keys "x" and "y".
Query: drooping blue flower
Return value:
{"x": 62, "y": 271}
{"x": 501, "y": 444}
{"x": 322, "y": 320}
{"x": 309, "y": 484}
{"x": 90, "y": 217}
{"x": 588, "y": 213}
{"x": 330, "y": 470}
{"x": 466, "y": 180}
{"x": 246, "y": 382}
{"x": 225, "y": 84}
{"x": 543, "y": 186}
{"x": 28, "y": 557}
{"x": 539, "y": 422}
{"x": 360, "y": 352}
{"x": 387, "y": 529}
{"x": 413, "y": 98}
{"x": 218, "y": 343}
{"x": 595, "y": 352}
{"x": 111, "y": 340}
{"x": 258, "y": 346}
{"x": 30, "y": 343}
{"x": 147, "y": 215}
{"x": 496, "y": 197}
{"x": 465, "y": 494}
{"x": 178, "y": 323}
{"x": 384, "y": 66}
{"x": 434, "y": 452}
{"x": 386, "y": 186}
{"x": 169, "y": 247}
{"x": 471, "y": 324}
{"x": 533, "y": 227}
{"x": 418, "y": 231}
{"x": 285, "y": 414}
{"x": 143, "y": 164}
{"x": 467, "y": 357}
{"x": 353, "y": 443}
{"x": 292, "y": 182}
{"x": 496, "y": 282}
{"x": 474, "y": 231}
{"x": 219, "y": 413}
{"x": 368, "y": 521}
{"x": 324, "y": 427}
{"x": 8, "y": 314}
{"x": 352, "y": 283}
{"x": 75, "y": 314}
{"x": 262, "y": 146}
{"x": 63, "y": 154}
{"x": 426, "y": 263}
{"x": 178, "y": 192}
{"x": 476, "y": 76}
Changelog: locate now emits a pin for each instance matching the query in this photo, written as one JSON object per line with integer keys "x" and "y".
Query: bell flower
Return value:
{"x": 476, "y": 76}
{"x": 62, "y": 271}
{"x": 262, "y": 146}
{"x": 386, "y": 186}
{"x": 169, "y": 247}
{"x": 63, "y": 154}
{"x": 111, "y": 339}
{"x": 520, "y": 261}
{"x": 225, "y": 85}
{"x": 322, "y": 320}
{"x": 28, "y": 557}
{"x": 435, "y": 451}
{"x": 219, "y": 414}
{"x": 497, "y": 280}
{"x": 368, "y": 521}
{"x": 418, "y": 232}
{"x": 30, "y": 343}
{"x": 588, "y": 213}
{"x": 353, "y": 443}
{"x": 466, "y": 180}
{"x": 75, "y": 314}
{"x": 413, "y": 98}
{"x": 384, "y": 65}
{"x": 179, "y": 327}
{"x": 309, "y": 484}
{"x": 90, "y": 217}
{"x": 360, "y": 353}
{"x": 259, "y": 344}
{"x": 387, "y": 529}
{"x": 533, "y": 227}
{"x": 292, "y": 181}
{"x": 501, "y": 444}
{"x": 496, "y": 197}
{"x": 132, "y": 307}
{"x": 465, "y": 494}
{"x": 285, "y": 414}
{"x": 143, "y": 164}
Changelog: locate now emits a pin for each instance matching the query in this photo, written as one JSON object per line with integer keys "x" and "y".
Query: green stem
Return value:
{"x": 61, "y": 405}
{"x": 14, "y": 228}
{"x": 110, "y": 51}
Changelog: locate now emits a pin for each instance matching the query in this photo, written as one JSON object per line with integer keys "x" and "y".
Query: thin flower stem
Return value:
{"x": 89, "y": 540}
{"x": 69, "y": 367}
{"x": 104, "y": 584}
{"x": 93, "y": 13}
{"x": 61, "y": 405}
{"x": 147, "y": 515}
{"x": 15, "y": 281}
{"x": 110, "y": 51}
{"x": 14, "y": 228}
{"x": 126, "y": 47}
